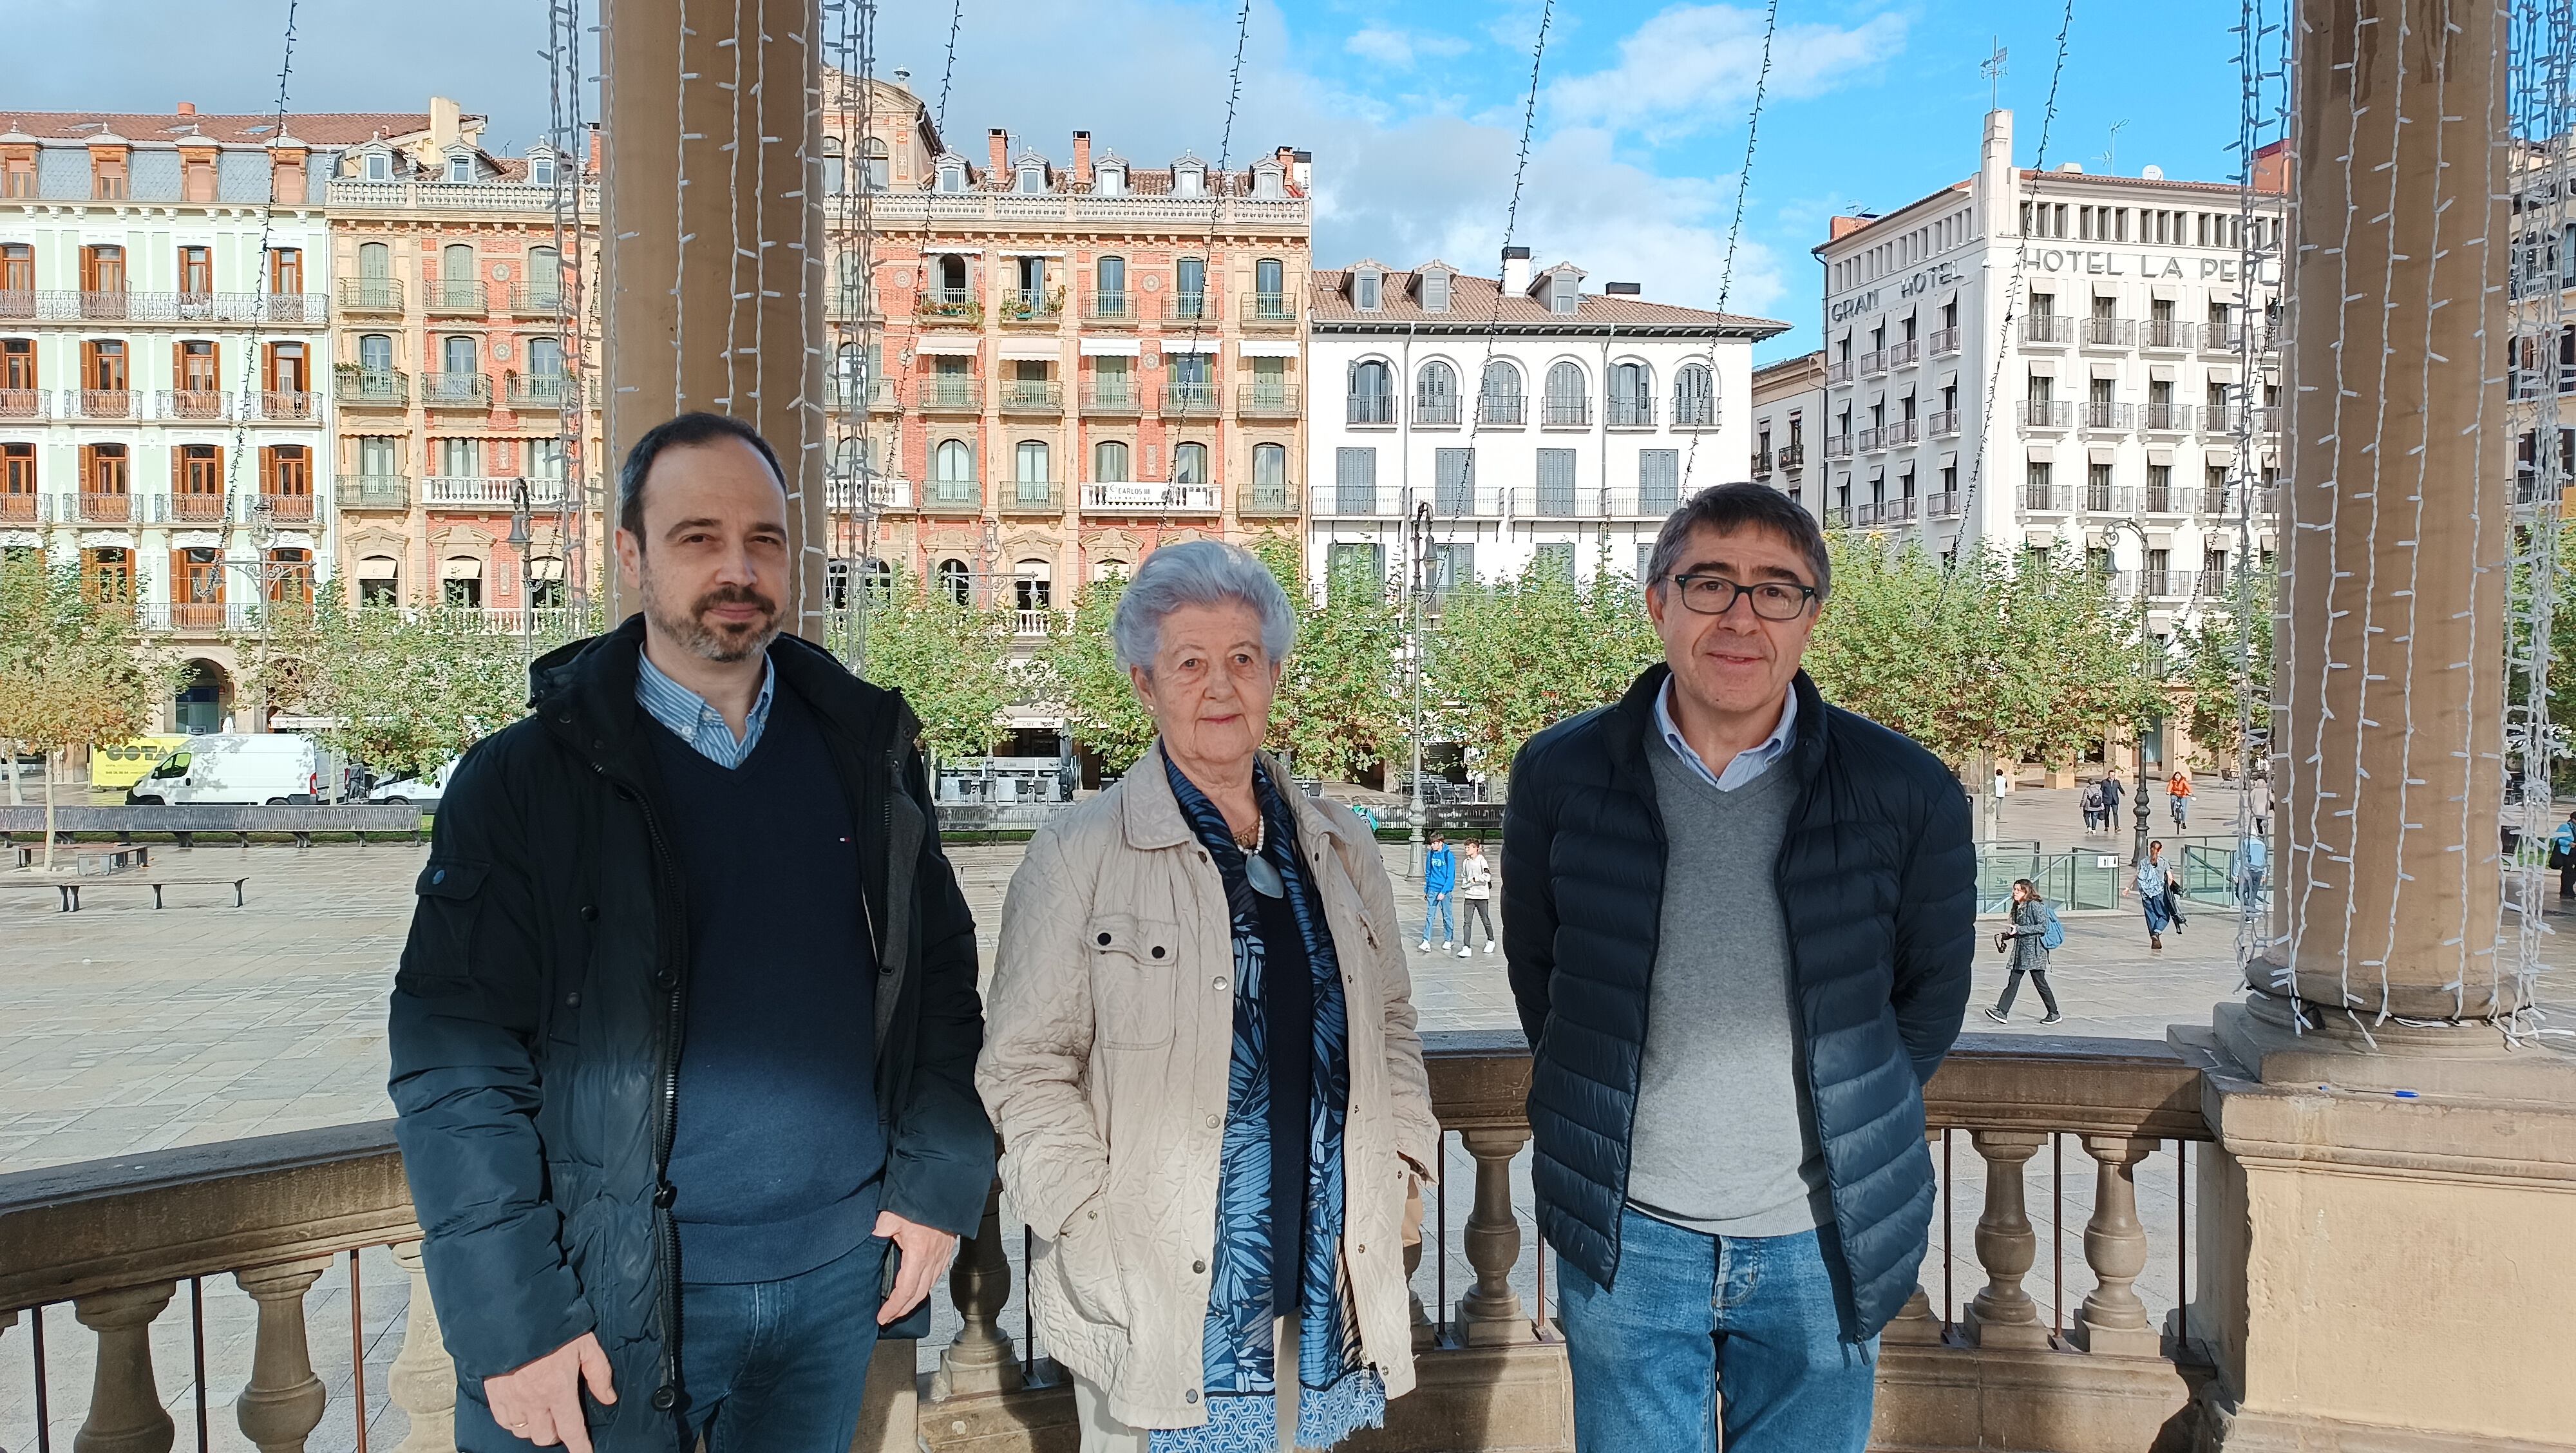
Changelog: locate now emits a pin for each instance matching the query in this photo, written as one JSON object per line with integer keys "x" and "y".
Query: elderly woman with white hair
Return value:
{"x": 1202, "y": 1061}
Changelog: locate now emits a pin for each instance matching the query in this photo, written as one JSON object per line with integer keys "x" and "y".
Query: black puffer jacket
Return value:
{"x": 1876, "y": 878}
{"x": 536, "y": 1031}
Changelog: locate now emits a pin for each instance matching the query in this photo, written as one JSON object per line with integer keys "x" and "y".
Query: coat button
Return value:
{"x": 572, "y": 999}
{"x": 665, "y": 1398}
{"x": 1211, "y": 1122}
{"x": 664, "y": 978}
{"x": 1198, "y": 1268}
{"x": 1158, "y": 950}
{"x": 438, "y": 877}
{"x": 1218, "y": 983}
{"x": 589, "y": 913}
{"x": 1191, "y": 1396}
{"x": 1104, "y": 940}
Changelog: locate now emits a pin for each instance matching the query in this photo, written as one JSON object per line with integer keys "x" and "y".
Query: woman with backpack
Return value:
{"x": 2035, "y": 930}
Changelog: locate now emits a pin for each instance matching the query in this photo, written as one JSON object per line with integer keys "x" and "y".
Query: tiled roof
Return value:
{"x": 318, "y": 128}
{"x": 1141, "y": 182}
{"x": 1472, "y": 306}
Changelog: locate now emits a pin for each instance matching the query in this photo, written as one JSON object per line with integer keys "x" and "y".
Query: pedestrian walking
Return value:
{"x": 2111, "y": 793}
{"x": 1439, "y": 882}
{"x": 1740, "y": 929}
{"x": 2091, "y": 802}
{"x": 1220, "y": 1259}
{"x": 2034, "y": 931}
{"x": 2155, "y": 890}
{"x": 2178, "y": 796}
{"x": 2562, "y": 855}
{"x": 682, "y": 1046}
{"x": 1475, "y": 889}
{"x": 2261, "y": 804}
{"x": 2253, "y": 856}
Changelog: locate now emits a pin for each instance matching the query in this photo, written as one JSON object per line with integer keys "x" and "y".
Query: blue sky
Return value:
{"x": 1413, "y": 124}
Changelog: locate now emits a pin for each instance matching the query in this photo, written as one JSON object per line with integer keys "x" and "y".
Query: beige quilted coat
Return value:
{"x": 1109, "y": 1028}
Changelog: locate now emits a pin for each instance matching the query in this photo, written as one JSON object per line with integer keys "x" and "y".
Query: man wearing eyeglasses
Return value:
{"x": 1738, "y": 923}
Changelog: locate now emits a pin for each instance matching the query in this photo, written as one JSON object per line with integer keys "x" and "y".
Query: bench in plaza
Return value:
{"x": 92, "y": 861}
{"x": 70, "y": 888}
{"x": 301, "y": 821}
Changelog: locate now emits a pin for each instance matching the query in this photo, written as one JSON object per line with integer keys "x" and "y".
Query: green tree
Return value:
{"x": 2217, "y": 661}
{"x": 951, "y": 661}
{"x": 73, "y": 671}
{"x": 1339, "y": 706}
{"x": 1510, "y": 657}
{"x": 1079, "y": 671}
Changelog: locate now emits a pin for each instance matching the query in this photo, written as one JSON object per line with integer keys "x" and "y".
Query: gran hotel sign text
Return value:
{"x": 2149, "y": 266}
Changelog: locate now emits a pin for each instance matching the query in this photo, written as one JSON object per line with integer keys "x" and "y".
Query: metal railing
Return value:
{"x": 284, "y": 509}
{"x": 1943, "y": 423}
{"x": 1873, "y": 362}
{"x": 1557, "y": 411}
{"x": 1870, "y": 440}
{"x": 1109, "y": 308}
{"x": 949, "y": 394}
{"x": 2168, "y": 418}
{"x": 538, "y": 390}
{"x": 2109, "y": 499}
{"x": 1761, "y": 464}
{"x": 1191, "y": 400}
{"x": 2044, "y": 498}
{"x": 2102, "y": 414}
{"x": 844, "y": 494}
{"x": 1508, "y": 411}
{"x": 877, "y": 395}
{"x": 109, "y": 509}
{"x": 454, "y": 295}
{"x": 194, "y": 508}
{"x": 2046, "y": 414}
{"x": 101, "y": 403}
{"x": 1902, "y": 432}
{"x": 278, "y": 406}
{"x": 1031, "y": 496}
{"x": 1838, "y": 371}
{"x": 1266, "y": 310}
{"x": 20, "y": 509}
{"x": 1275, "y": 401}
{"x": 1031, "y": 305}
{"x": 456, "y": 390}
{"x": 1127, "y": 497}
{"x": 1945, "y": 341}
{"x": 1693, "y": 410}
{"x": 1031, "y": 396}
{"x": 1119, "y": 398}
{"x": 1191, "y": 308}
{"x": 1943, "y": 505}
{"x": 372, "y": 491}
{"x": 949, "y": 305}
{"x": 2110, "y": 332}
{"x": 25, "y": 403}
{"x": 1838, "y": 446}
{"x": 371, "y": 294}
{"x": 528, "y": 298}
{"x": 1350, "y": 499}
{"x": 2170, "y": 333}
{"x": 72, "y": 305}
{"x": 194, "y": 404}
{"x": 2166, "y": 499}
{"x": 2047, "y": 328}
{"x": 1793, "y": 455}
{"x": 1266, "y": 500}
{"x": 953, "y": 497}
{"x": 1630, "y": 413}
{"x": 1370, "y": 409}
{"x": 372, "y": 388}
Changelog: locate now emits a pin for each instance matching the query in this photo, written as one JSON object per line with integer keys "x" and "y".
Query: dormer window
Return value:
{"x": 380, "y": 167}
{"x": 541, "y": 171}
{"x": 1367, "y": 286}
{"x": 1435, "y": 291}
{"x": 1266, "y": 185}
{"x": 1189, "y": 181}
{"x": 1564, "y": 293}
{"x": 952, "y": 177}
{"x": 460, "y": 168}
{"x": 1032, "y": 177}
{"x": 1111, "y": 180}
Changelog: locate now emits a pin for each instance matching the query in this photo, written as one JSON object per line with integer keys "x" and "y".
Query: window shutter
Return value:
{"x": 1454, "y": 482}
{"x": 1659, "y": 477}
{"x": 1556, "y": 481}
{"x": 1355, "y": 479}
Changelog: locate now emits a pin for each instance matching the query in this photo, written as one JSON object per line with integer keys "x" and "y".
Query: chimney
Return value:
{"x": 1841, "y": 227}
{"x": 187, "y": 108}
{"x": 597, "y": 159}
{"x": 1001, "y": 151}
{"x": 446, "y": 120}
{"x": 1516, "y": 270}
{"x": 1302, "y": 170}
{"x": 1082, "y": 158}
{"x": 1995, "y": 179}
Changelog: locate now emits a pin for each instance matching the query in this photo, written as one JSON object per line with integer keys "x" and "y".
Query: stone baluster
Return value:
{"x": 980, "y": 1360}
{"x": 283, "y": 1400}
{"x": 125, "y": 1412}
{"x": 1914, "y": 1323}
{"x": 1490, "y": 1314}
{"x": 2112, "y": 1319}
{"x": 2003, "y": 1314}
{"x": 1425, "y": 1335}
{"x": 422, "y": 1381}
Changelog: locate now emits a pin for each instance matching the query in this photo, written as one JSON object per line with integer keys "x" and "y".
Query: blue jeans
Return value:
{"x": 1437, "y": 911}
{"x": 1690, "y": 1310}
{"x": 780, "y": 1365}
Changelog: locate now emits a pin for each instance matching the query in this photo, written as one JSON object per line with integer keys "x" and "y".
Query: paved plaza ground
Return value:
{"x": 129, "y": 1030}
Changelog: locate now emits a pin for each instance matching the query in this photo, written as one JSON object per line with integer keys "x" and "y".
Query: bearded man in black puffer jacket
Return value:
{"x": 1739, "y": 927}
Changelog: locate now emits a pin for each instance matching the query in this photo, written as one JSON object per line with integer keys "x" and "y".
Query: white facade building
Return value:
{"x": 2108, "y": 417}
{"x": 1788, "y": 405}
{"x": 1595, "y": 413}
{"x": 163, "y": 345}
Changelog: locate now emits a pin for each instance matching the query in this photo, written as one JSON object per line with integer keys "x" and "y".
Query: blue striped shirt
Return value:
{"x": 692, "y": 720}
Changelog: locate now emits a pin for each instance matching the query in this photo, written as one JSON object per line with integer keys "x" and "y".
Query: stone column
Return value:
{"x": 422, "y": 1380}
{"x": 2391, "y": 664}
{"x": 284, "y": 1399}
{"x": 125, "y": 1412}
{"x": 711, "y": 245}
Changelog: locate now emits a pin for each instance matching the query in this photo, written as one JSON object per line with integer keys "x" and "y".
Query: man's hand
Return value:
{"x": 541, "y": 1401}
{"x": 924, "y": 1254}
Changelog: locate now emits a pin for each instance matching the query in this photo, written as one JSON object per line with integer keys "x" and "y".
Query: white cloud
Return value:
{"x": 1398, "y": 49}
{"x": 1681, "y": 66}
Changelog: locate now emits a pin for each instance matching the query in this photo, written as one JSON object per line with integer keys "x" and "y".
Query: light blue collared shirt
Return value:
{"x": 1749, "y": 763}
{"x": 692, "y": 720}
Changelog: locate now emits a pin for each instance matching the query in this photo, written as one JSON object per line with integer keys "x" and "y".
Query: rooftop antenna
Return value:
{"x": 1993, "y": 69}
{"x": 2111, "y": 150}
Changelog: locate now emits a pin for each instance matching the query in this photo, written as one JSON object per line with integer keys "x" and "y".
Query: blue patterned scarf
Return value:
{"x": 1338, "y": 1392}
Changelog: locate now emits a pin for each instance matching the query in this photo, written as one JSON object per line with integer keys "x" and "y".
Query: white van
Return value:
{"x": 419, "y": 791}
{"x": 235, "y": 768}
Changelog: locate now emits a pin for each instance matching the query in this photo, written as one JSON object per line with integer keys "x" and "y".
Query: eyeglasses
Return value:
{"x": 1773, "y": 600}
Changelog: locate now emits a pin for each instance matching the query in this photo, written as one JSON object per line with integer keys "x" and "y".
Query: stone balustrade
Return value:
{"x": 118, "y": 1241}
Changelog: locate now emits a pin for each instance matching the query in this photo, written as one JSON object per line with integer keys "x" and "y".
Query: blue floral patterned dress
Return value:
{"x": 1258, "y": 1274}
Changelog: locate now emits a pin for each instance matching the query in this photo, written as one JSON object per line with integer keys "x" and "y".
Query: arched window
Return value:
{"x": 1694, "y": 401}
{"x": 375, "y": 357}
{"x": 1189, "y": 288}
{"x": 876, "y": 173}
{"x": 545, "y": 277}
{"x": 457, "y": 287}
{"x": 1498, "y": 401}
{"x": 1632, "y": 394}
{"x": 1111, "y": 180}
{"x": 1189, "y": 463}
{"x": 952, "y": 176}
{"x": 1266, "y": 185}
{"x": 1568, "y": 401}
{"x": 1109, "y": 288}
{"x": 1189, "y": 180}
{"x": 1109, "y": 462}
{"x": 379, "y": 580}
{"x": 1109, "y": 570}
{"x": 833, "y": 174}
{"x": 952, "y": 279}
{"x": 1372, "y": 393}
{"x": 545, "y": 358}
{"x": 1270, "y": 466}
{"x": 1435, "y": 394}
{"x": 375, "y": 261}
{"x": 1032, "y": 462}
{"x": 851, "y": 284}
{"x": 1032, "y": 589}
{"x": 952, "y": 472}
{"x": 1032, "y": 177}
{"x": 460, "y": 582}
{"x": 955, "y": 581}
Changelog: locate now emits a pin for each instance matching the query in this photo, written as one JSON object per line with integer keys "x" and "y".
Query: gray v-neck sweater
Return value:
{"x": 1725, "y": 1139}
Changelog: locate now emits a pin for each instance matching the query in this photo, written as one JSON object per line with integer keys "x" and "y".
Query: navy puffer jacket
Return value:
{"x": 1877, "y": 881}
